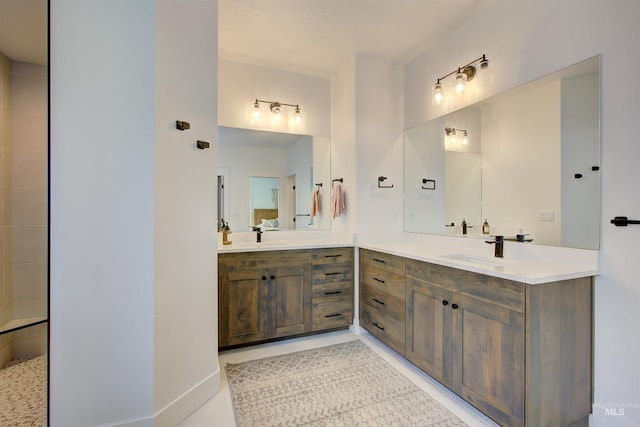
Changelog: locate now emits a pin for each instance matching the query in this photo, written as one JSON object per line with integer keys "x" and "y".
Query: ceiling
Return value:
{"x": 308, "y": 36}
{"x": 319, "y": 36}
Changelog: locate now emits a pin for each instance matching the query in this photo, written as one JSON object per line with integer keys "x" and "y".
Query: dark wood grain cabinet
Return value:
{"x": 332, "y": 288}
{"x": 270, "y": 295}
{"x": 520, "y": 353}
{"x": 382, "y": 297}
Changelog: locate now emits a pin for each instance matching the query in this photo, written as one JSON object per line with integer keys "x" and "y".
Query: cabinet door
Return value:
{"x": 488, "y": 358}
{"x": 291, "y": 296}
{"x": 243, "y": 312}
{"x": 428, "y": 336}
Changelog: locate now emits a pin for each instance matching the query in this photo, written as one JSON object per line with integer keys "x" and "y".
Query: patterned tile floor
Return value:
{"x": 218, "y": 411}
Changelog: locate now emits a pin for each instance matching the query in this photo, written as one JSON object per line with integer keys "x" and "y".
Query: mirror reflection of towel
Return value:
{"x": 314, "y": 209}
{"x": 338, "y": 206}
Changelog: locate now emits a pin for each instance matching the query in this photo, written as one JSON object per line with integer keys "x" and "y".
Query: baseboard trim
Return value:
{"x": 178, "y": 410}
{"x": 192, "y": 399}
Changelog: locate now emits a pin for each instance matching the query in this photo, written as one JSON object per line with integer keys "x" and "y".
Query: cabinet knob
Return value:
{"x": 445, "y": 302}
{"x": 264, "y": 277}
{"x": 273, "y": 277}
{"x": 454, "y": 306}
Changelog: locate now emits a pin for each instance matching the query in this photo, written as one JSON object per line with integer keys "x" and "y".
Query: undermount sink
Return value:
{"x": 475, "y": 259}
{"x": 253, "y": 244}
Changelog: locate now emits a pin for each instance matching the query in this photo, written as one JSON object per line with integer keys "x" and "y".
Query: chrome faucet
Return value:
{"x": 499, "y": 242}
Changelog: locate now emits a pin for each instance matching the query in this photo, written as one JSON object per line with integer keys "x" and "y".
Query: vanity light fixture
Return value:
{"x": 452, "y": 136}
{"x": 463, "y": 75}
{"x": 276, "y": 109}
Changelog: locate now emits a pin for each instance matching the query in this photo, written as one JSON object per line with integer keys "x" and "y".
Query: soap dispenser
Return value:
{"x": 225, "y": 234}
{"x": 464, "y": 226}
{"x": 485, "y": 227}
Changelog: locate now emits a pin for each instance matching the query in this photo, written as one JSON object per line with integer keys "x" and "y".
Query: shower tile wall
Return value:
{"x": 28, "y": 213}
{"x": 6, "y": 285}
{"x": 23, "y": 205}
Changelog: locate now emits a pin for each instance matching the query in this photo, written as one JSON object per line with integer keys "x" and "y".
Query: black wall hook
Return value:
{"x": 381, "y": 179}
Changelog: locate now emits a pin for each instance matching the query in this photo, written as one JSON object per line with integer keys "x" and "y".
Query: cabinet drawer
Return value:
{"x": 383, "y": 327}
{"x": 332, "y": 291}
{"x": 502, "y": 292}
{"x": 265, "y": 259}
{"x": 329, "y": 315}
{"x": 331, "y": 273}
{"x": 391, "y": 263}
{"x": 384, "y": 281}
{"x": 332, "y": 256}
{"x": 388, "y": 304}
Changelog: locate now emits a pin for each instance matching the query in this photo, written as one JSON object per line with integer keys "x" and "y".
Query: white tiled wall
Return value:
{"x": 23, "y": 204}
{"x": 6, "y": 288}
{"x": 28, "y": 213}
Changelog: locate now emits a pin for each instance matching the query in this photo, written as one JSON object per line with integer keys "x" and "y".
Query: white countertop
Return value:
{"x": 281, "y": 245}
{"x": 532, "y": 272}
{"x": 531, "y": 264}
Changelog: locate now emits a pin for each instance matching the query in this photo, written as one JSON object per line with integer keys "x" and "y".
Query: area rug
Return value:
{"x": 340, "y": 385}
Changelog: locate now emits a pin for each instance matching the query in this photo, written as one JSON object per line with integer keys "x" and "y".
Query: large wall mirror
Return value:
{"x": 527, "y": 161}
{"x": 23, "y": 212}
{"x": 268, "y": 180}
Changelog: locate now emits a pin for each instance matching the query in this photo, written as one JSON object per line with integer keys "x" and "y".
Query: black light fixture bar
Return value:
{"x": 465, "y": 69}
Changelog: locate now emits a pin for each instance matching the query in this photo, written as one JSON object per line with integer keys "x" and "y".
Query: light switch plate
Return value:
{"x": 548, "y": 216}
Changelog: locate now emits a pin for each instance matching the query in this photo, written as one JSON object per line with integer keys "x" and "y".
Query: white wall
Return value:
{"x": 379, "y": 112}
{"x": 544, "y": 37}
{"x": 102, "y": 154}
{"x": 186, "y": 371}
{"x": 129, "y": 341}
{"x": 343, "y": 142}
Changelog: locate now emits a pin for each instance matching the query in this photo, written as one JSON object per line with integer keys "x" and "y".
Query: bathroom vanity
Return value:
{"x": 271, "y": 294}
{"x": 520, "y": 352}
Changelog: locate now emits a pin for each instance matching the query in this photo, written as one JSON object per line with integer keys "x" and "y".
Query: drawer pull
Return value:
{"x": 378, "y": 301}
{"x": 333, "y": 293}
{"x": 333, "y": 256}
{"x": 379, "y": 260}
{"x": 445, "y": 302}
{"x": 378, "y": 280}
{"x": 333, "y": 315}
{"x": 332, "y": 274}
{"x": 454, "y": 306}
{"x": 264, "y": 277}
{"x": 377, "y": 326}
{"x": 273, "y": 277}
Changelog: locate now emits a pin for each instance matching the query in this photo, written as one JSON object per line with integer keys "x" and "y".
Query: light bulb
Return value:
{"x": 298, "y": 118}
{"x": 461, "y": 79}
{"x": 452, "y": 137}
{"x": 465, "y": 138}
{"x": 256, "y": 110}
{"x": 275, "y": 109}
{"x": 437, "y": 93}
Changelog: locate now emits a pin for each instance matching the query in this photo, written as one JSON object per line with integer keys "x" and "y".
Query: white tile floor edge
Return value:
{"x": 218, "y": 411}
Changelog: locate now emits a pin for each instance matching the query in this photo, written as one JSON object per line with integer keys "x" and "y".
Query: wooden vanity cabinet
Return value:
{"x": 382, "y": 297}
{"x": 263, "y": 295}
{"x": 268, "y": 295}
{"x": 520, "y": 353}
{"x": 332, "y": 288}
